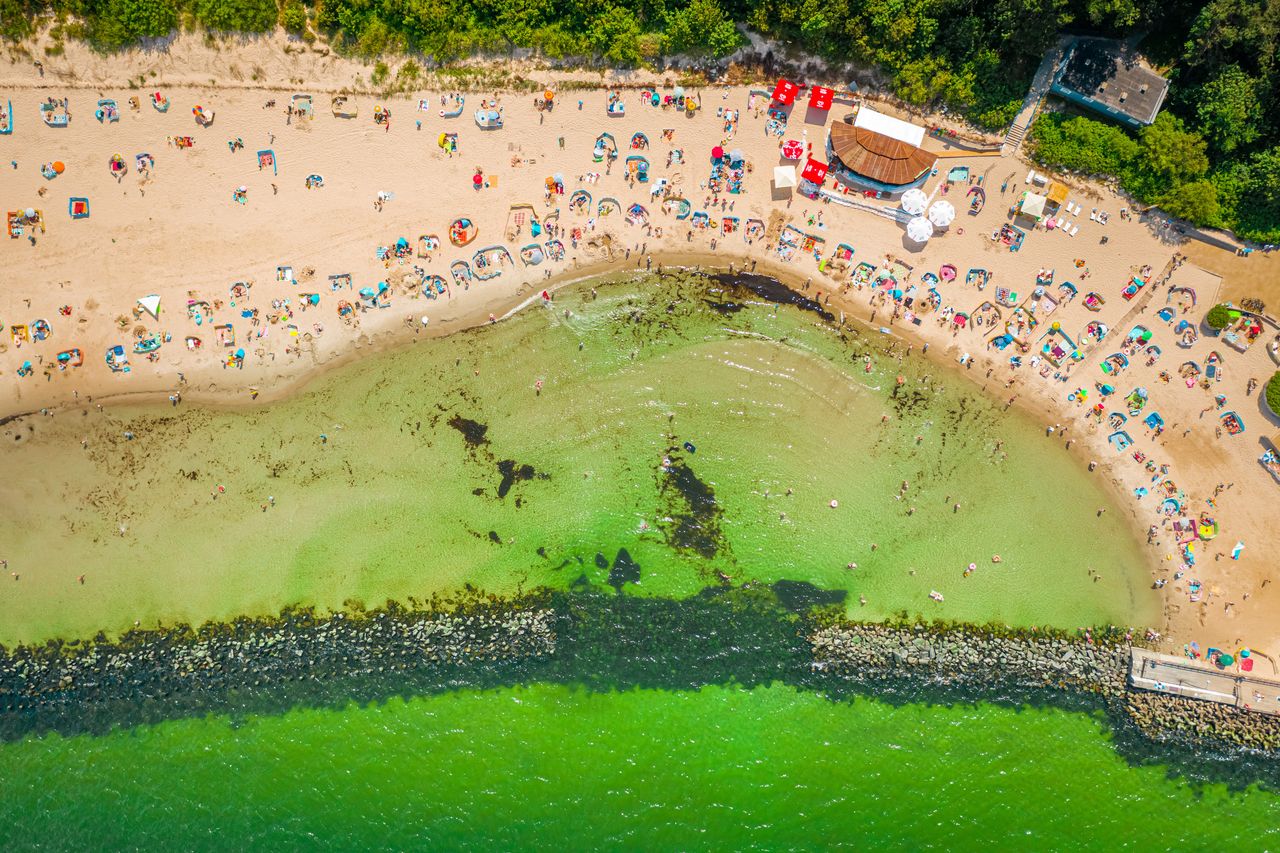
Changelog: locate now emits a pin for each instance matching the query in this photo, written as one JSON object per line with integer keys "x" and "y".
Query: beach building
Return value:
{"x": 1109, "y": 77}
{"x": 880, "y": 153}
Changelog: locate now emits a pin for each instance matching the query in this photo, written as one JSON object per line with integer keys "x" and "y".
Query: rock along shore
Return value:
{"x": 603, "y": 641}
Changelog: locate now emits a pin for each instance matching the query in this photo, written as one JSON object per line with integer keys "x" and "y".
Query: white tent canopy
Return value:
{"x": 784, "y": 176}
{"x": 919, "y": 229}
{"x": 1033, "y": 205}
{"x": 150, "y": 304}
{"x": 914, "y": 201}
{"x": 942, "y": 213}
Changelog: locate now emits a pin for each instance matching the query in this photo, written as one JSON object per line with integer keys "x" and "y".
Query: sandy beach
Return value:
{"x": 175, "y": 231}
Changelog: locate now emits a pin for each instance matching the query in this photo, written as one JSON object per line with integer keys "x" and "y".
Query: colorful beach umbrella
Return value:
{"x": 717, "y": 152}
{"x": 477, "y": 179}
{"x": 59, "y": 166}
{"x": 793, "y": 149}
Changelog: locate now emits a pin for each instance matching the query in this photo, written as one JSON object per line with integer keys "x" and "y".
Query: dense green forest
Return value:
{"x": 1213, "y": 158}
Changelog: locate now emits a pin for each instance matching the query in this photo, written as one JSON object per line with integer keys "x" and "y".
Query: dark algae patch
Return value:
{"x": 691, "y": 517}
{"x": 474, "y": 433}
{"x": 770, "y": 290}
{"x": 513, "y": 472}
{"x": 801, "y": 596}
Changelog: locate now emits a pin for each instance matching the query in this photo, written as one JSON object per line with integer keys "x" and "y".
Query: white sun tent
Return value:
{"x": 1033, "y": 205}
{"x": 919, "y": 230}
{"x": 942, "y": 213}
{"x": 784, "y": 176}
{"x": 150, "y": 304}
{"x": 914, "y": 201}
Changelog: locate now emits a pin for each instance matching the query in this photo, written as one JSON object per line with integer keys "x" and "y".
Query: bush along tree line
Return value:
{"x": 1212, "y": 158}
{"x": 1213, "y": 155}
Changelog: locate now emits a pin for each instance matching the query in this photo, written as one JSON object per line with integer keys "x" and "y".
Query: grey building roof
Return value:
{"x": 1109, "y": 75}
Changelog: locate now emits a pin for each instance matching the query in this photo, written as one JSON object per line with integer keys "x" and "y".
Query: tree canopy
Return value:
{"x": 1211, "y": 156}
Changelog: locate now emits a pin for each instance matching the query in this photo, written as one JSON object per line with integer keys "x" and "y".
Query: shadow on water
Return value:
{"x": 604, "y": 642}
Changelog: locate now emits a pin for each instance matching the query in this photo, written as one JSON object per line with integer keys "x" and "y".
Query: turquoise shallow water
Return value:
{"x": 783, "y": 412}
{"x": 553, "y": 767}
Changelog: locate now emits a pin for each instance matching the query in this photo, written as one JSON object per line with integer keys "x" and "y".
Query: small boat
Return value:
{"x": 1232, "y": 424}
{"x": 6, "y": 118}
{"x": 147, "y": 344}
{"x": 107, "y": 112}
{"x": 160, "y": 102}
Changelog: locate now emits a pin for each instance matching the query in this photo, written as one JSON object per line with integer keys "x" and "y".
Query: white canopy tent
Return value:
{"x": 920, "y": 229}
{"x": 1033, "y": 205}
{"x": 942, "y": 213}
{"x": 784, "y": 176}
{"x": 150, "y": 304}
{"x": 914, "y": 201}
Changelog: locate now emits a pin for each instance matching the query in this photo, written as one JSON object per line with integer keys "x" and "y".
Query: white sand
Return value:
{"x": 180, "y": 235}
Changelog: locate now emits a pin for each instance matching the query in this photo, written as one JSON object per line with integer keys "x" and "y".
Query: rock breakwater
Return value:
{"x": 260, "y": 663}
{"x": 972, "y": 656}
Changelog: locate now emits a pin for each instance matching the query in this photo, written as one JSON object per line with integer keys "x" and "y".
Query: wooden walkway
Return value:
{"x": 1180, "y": 676}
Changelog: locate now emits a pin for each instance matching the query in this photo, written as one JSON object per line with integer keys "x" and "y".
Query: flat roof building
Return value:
{"x": 1109, "y": 77}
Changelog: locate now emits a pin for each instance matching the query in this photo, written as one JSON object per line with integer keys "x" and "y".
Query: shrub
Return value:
{"x": 294, "y": 17}
{"x": 1273, "y": 394}
{"x": 1219, "y": 317}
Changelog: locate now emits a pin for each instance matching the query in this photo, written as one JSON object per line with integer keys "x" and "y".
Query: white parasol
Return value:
{"x": 920, "y": 229}
{"x": 914, "y": 201}
{"x": 942, "y": 213}
{"x": 784, "y": 176}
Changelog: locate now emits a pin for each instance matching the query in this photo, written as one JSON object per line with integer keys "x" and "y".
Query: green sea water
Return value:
{"x": 445, "y": 465}
{"x": 555, "y": 768}
{"x": 701, "y": 429}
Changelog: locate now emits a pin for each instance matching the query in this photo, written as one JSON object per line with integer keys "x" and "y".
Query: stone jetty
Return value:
{"x": 747, "y": 636}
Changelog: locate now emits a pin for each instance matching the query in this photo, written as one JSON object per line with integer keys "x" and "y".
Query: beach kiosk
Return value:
{"x": 784, "y": 92}
{"x": 820, "y": 98}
